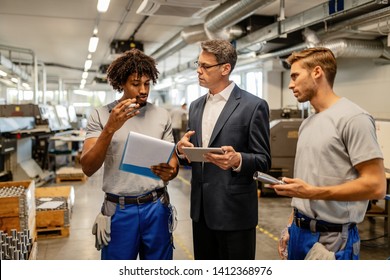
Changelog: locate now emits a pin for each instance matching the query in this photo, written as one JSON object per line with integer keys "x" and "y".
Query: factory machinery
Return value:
{"x": 25, "y": 133}
{"x": 284, "y": 126}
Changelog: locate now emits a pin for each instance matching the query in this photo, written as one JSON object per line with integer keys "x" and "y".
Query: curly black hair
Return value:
{"x": 130, "y": 62}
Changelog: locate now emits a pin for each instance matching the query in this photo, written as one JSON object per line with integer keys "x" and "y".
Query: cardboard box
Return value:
{"x": 17, "y": 211}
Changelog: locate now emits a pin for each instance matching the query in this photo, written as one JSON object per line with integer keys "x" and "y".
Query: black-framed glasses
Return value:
{"x": 205, "y": 66}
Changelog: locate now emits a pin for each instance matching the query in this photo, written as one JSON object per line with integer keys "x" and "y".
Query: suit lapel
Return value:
{"x": 229, "y": 108}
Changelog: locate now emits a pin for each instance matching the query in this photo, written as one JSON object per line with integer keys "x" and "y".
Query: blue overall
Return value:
{"x": 302, "y": 240}
{"x": 140, "y": 230}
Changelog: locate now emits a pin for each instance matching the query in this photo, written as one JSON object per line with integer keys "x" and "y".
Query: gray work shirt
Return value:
{"x": 152, "y": 121}
{"x": 330, "y": 144}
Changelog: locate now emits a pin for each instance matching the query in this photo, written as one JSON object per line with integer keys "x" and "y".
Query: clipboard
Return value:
{"x": 142, "y": 151}
{"x": 195, "y": 154}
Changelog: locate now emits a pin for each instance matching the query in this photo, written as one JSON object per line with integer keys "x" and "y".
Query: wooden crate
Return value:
{"x": 53, "y": 232}
{"x": 50, "y": 218}
{"x": 54, "y": 218}
{"x": 18, "y": 212}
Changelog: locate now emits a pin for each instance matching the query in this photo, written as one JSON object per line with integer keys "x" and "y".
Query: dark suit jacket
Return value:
{"x": 229, "y": 198}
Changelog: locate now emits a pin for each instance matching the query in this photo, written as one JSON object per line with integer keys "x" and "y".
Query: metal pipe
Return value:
{"x": 219, "y": 20}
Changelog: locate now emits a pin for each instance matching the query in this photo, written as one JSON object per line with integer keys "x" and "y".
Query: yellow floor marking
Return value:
{"x": 183, "y": 247}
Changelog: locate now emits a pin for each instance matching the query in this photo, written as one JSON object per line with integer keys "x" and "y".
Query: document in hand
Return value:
{"x": 142, "y": 151}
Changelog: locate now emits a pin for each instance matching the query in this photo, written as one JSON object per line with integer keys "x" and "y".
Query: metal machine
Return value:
{"x": 283, "y": 141}
{"x": 24, "y": 131}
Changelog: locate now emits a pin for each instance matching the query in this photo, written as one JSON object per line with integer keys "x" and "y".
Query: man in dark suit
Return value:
{"x": 223, "y": 193}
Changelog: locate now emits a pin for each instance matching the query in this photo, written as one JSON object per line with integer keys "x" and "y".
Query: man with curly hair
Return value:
{"x": 135, "y": 220}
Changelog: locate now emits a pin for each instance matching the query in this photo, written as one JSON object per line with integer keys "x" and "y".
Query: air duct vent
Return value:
{"x": 179, "y": 8}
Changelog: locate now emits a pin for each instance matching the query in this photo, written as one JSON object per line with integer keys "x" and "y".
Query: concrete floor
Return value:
{"x": 273, "y": 213}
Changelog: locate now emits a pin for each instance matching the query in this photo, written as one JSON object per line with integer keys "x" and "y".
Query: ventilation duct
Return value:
{"x": 310, "y": 17}
{"x": 230, "y": 13}
{"x": 188, "y": 35}
{"x": 355, "y": 48}
{"x": 340, "y": 48}
{"x": 220, "y": 20}
{"x": 180, "y": 8}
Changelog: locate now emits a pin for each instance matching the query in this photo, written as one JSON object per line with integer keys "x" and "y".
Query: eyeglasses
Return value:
{"x": 205, "y": 66}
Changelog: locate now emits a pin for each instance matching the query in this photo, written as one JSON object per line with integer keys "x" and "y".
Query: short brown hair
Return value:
{"x": 130, "y": 62}
{"x": 317, "y": 56}
{"x": 223, "y": 50}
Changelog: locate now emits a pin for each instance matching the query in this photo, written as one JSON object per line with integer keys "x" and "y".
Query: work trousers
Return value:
{"x": 302, "y": 240}
{"x": 140, "y": 230}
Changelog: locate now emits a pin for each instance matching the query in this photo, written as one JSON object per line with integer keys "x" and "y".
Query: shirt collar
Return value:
{"x": 225, "y": 93}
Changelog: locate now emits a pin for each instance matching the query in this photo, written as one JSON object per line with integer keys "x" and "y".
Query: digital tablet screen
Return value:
{"x": 195, "y": 154}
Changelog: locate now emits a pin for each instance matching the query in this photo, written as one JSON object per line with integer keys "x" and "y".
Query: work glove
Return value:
{"x": 319, "y": 252}
{"x": 102, "y": 230}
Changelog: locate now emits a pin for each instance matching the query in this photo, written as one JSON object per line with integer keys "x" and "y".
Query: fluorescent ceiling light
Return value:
{"x": 88, "y": 64}
{"x": 102, "y": 6}
{"x": 3, "y": 74}
{"x": 15, "y": 80}
{"x": 93, "y": 42}
{"x": 84, "y": 75}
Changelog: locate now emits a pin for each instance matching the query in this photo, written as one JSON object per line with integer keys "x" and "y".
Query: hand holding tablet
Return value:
{"x": 195, "y": 154}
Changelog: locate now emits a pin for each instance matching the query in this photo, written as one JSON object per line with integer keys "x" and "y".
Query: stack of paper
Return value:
{"x": 142, "y": 151}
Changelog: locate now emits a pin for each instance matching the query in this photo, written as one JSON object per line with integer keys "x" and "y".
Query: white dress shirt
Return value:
{"x": 212, "y": 110}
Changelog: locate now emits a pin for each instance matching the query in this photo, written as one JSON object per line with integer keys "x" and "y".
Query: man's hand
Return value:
{"x": 230, "y": 158}
{"x": 295, "y": 188}
{"x": 124, "y": 110}
{"x": 102, "y": 230}
{"x": 165, "y": 171}
{"x": 185, "y": 142}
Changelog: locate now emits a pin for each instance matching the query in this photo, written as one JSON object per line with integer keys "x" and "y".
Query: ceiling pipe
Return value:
{"x": 228, "y": 14}
{"x": 302, "y": 20}
{"x": 219, "y": 22}
{"x": 272, "y": 31}
{"x": 355, "y": 48}
{"x": 340, "y": 48}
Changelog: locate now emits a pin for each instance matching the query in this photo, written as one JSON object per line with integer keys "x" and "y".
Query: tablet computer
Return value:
{"x": 267, "y": 179}
{"x": 195, "y": 154}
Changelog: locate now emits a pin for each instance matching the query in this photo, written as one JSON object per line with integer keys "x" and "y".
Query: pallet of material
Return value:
{"x": 54, "y": 206}
{"x": 17, "y": 209}
{"x": 70, "y": 174}
{"x": 53, "y": 232}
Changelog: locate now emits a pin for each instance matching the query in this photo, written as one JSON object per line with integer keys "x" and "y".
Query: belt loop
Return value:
{"x": 154, "y": 194}
{"x": 344, "y": 232}
{"x": 313, "y": 224}
{"x": 122, "y": 202}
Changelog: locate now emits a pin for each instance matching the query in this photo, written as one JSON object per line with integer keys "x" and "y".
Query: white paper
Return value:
{"x": 45, "y": 199}
{"x": 50, "y": 205}
{"x": 145, "y": 151}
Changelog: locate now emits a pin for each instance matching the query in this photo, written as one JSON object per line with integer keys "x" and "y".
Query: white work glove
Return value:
{"x": 102, "y": 230}
{"x": 319, "y": 252}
